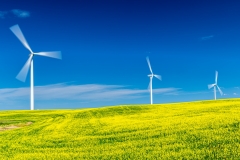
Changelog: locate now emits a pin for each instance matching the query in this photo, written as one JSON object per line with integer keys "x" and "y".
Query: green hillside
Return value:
{"x": 194, "y": 130}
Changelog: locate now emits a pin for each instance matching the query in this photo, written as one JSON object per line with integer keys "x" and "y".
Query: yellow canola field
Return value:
{"x": 190, "y": 130}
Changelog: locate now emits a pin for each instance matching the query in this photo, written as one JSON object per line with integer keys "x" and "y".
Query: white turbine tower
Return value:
{"x": 215, "y": 86}
{"x": 24, "y": 71}
{"x": 151, "y": 77}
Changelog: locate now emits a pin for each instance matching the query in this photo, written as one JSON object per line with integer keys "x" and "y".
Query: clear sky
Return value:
{"x": 104, "y": 45}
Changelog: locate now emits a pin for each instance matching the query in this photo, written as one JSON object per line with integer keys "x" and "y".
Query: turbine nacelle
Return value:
{"x": 211, "y": 85}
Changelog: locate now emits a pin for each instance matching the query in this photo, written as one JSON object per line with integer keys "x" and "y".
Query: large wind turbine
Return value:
{"x": 24, "y": 71}
{"x": 151, "y": 77}
{"x": 215, "y": 86}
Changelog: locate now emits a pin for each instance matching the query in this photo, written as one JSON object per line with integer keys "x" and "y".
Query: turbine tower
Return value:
{"x": 29, "y": 64}
{"x": 151, "y": 77}
{"x": 215, "y": 86}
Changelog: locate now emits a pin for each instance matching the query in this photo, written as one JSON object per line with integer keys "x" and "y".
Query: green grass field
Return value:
{"x": 194, "y": 130}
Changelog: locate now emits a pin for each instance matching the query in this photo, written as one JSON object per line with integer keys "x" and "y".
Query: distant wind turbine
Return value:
{"x": 24, "y": 71}
{"x": 215, "y": 86}
{"x": 151, "y": 77}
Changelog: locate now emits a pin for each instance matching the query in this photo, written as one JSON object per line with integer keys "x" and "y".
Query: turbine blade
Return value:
{"x": 216, "y": 77}
{"x": 18, "y": 33}
{"x": 158, "y": 76}
{"x": 24, "y": 71}
{"x": 54, "y": 54}
{"x": 149, "y": 87}
{"x": 220, "y": 90}
{"x": 210, "y": 86}
{"x": 149, "y": 65}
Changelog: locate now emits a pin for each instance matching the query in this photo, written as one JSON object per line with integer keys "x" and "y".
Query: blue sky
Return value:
{"x": 104, "y": 46}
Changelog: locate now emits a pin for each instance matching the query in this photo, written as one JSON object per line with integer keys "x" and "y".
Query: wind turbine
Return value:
{"x": 215, "y": 86}
{"x": 29, "y": 64}
{"x": 151, "y": 77}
